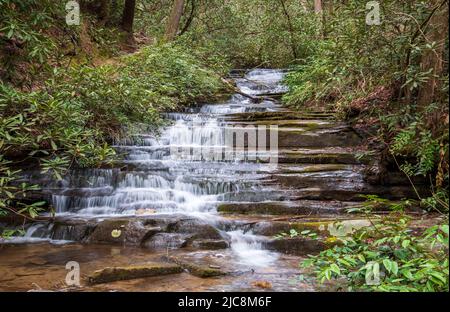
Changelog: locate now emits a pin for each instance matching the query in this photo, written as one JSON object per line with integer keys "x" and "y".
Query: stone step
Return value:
{"x": 341, "y": 137}
{"x": 318, "y": 156}
{"x": 299, "y": 207}
{"x": 349, "y": 193}
{"x": 319, "y": 169}
{"x": 279, "y": 115}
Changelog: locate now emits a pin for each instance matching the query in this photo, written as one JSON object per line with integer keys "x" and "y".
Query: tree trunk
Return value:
{"x": 174, "y": 20}
{"x": 128, "y": 16}
{"x": 436, "y": 31}
{"x": 320, "y": 17}
{"x": 318, "y": 6}
{"x": 103, "y": 13}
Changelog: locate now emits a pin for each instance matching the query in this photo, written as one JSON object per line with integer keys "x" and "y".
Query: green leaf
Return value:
{"x": 394, "y": 267}
{"x": 361, "y": 257}
{"x": 54, "y": 146}
{"x": 387, "y": 264}
{"x": 335, "y": 269}
{"x": 406, "y": 243}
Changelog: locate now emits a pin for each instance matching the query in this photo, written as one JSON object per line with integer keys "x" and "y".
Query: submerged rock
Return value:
{"x": 112, "y": 274}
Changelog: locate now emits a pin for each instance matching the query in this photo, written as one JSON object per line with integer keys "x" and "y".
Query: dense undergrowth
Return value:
{"x": 63, "y": 110}
{"x": 390, "y": 80}
{"x": 380, "y": 78}
{"x": 393, "y": 254}
{"x": 72, "y": 120}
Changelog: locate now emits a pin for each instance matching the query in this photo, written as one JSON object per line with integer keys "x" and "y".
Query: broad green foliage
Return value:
{"x": 375, "y": 73}
{"x": 22, "y": 38}
{"x": 392, "y": 254}
{"x": 71, "y": 122}
{"x": 389, "y": 249}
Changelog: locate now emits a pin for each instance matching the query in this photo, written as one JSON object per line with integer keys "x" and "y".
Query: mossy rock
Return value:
{"x": 335, "y": 228}
{"x": 122, "y": 231}
{"x": 298, "y": 246}
{"x": 298, "y": 157}
{"x": 197, "y": 228}
{"x": 112, "y": 274}
{"x": 344, "y": 137}
{"x": 276, "y": 227}
{"x": 202, "y": 271}
{"x": 210, "y": 244}
{"x": 281, "y": 115}
{"x": 277, "y": 208}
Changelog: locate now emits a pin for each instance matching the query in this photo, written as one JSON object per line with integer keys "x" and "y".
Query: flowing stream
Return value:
{"x": 205, "y": 197}
{"x": 175, "y": 173}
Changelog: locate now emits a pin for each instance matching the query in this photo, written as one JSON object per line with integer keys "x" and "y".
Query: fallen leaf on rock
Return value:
{"x": 262, "y": 284}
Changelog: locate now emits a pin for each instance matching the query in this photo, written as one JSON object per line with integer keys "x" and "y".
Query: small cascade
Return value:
{"x": 249, "y": 249}
{"x": 170, "y": 174}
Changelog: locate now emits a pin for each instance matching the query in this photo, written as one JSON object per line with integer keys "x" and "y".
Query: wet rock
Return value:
{"x": 315, "y": 168}
{"x": 112, "y": 274}
{"x": 333, "y": 227}
{"x": 276, "y": 227}
{"x": 202, "y": 271}
{"x": 298, "y": 246}
{"x": 122, "y": 231}
{"x": 167, "y": 240}
{"x": 335, "y": 137}
{"x": 74, "y": 230}
{"x": 210, "y": 244}
{"x": 282, "y": 208}
{"x": 279, "y": 115}
{"x": 198, "y": 229}
{"x": 302, "y": 157}
{"x": 335, "y": 192}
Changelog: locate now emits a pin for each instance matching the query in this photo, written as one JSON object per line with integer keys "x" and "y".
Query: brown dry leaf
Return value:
{"x": 262, "y": 284}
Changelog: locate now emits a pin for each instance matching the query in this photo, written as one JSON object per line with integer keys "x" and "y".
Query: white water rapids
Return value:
{"x": 159, "y": 181}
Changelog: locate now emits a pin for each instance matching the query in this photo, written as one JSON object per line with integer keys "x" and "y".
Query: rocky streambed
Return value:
{"x": 180, "y": 213}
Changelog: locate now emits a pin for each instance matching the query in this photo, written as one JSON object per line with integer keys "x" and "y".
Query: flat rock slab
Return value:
{"x": 112, "y": 274}
{"x": 281, "y": 115}
{"x": 202, "y": 271}
{"x": 298, "y": 246}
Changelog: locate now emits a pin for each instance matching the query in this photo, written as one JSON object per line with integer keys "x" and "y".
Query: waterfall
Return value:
{"x": 174, "y": 173}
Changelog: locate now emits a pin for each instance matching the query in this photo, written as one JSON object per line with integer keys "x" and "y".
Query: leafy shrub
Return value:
{"x": 72, "y": 121}
{"x": 388, "y": 249}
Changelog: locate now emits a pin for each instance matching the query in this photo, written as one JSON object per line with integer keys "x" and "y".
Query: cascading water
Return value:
{"x": 170, "y": 173}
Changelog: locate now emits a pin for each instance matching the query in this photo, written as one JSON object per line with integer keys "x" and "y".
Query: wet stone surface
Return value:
{"x": 184, "y": 200}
